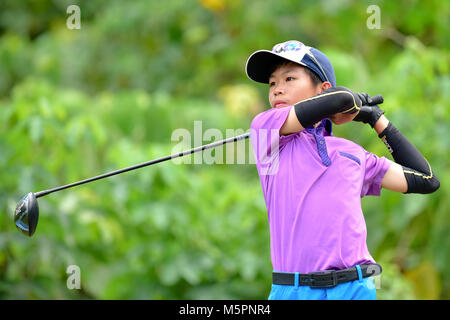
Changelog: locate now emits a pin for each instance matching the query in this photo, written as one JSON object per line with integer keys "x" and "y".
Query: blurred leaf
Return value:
{"x": 426, "y": 281}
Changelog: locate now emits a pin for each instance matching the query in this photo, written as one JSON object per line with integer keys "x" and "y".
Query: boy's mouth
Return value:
{"x": 279, "y": 104}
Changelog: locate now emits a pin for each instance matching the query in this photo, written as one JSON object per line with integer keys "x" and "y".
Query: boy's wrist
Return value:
{"x": 381, "y": 124}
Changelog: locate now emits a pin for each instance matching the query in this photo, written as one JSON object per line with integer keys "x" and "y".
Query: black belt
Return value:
{"x": 326, "y": 279}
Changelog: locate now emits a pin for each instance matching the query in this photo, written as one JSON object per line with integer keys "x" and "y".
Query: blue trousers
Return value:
{"x": 361, "y": 289}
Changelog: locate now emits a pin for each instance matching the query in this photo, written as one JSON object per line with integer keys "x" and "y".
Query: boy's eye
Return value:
{"x": 271, "y": 84}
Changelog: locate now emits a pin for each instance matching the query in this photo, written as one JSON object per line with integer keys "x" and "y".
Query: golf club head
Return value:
{"x": 27, "y": 214}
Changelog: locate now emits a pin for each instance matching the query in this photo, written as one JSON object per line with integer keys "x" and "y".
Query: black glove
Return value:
{"x": 370, "y": 112}
{"x": 369, "y": 101}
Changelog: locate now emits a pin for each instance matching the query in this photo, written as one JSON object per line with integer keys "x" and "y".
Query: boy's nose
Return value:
{"x": 278, "y": 90}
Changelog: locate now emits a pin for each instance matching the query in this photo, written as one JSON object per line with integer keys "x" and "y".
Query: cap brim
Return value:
{"x": 261, "y": 63}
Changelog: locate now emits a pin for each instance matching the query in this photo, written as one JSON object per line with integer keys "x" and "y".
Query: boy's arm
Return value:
{"x": 291, "y": 124}
{"x": 394, "y": 179}
{"x": 310, "y": 111}
{"x": 411, "y": 172}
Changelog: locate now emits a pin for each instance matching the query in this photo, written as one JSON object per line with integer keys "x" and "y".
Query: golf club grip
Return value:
{"x": 378, "y": 99}
{"x": 144, "y": 164}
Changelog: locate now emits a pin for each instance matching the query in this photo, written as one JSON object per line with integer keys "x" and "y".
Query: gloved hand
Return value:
{"x": 369, "y": 101}
{"x": 369, "y": 112}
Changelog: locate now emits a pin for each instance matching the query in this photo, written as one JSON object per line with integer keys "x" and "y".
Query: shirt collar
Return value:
{"x": 325, "y": 128}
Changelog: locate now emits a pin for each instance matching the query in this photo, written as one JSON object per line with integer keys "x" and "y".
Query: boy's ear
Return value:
{"x": 325, "y": 85}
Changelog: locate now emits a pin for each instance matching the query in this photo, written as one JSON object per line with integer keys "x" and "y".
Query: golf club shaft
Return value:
{"x": 144, "y": 164}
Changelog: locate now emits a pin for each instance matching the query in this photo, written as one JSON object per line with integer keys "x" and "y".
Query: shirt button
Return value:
{"x": 321, "y": 142}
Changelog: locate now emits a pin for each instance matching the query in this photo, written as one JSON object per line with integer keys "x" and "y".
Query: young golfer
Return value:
{"x": 313, "y": 182}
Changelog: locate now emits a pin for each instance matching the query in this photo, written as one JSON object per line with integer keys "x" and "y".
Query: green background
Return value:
{"x": 78, "y": 103}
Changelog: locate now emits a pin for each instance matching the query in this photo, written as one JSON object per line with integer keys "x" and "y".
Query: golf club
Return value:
{"x": 26, "y": 215}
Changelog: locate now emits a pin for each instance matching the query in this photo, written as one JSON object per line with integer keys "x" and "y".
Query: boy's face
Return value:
{"x": 290, "y": 84}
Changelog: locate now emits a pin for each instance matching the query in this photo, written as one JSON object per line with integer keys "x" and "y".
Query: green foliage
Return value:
{"x": 76, "y": 103}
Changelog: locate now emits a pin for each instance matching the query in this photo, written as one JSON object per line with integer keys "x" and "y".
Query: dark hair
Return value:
{"x": 314, "y": 76}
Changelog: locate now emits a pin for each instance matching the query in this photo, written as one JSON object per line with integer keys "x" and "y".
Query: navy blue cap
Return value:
{"x": 261, "y": 63}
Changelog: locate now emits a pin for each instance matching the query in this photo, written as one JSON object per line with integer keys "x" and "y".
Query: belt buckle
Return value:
{"x": 318, "y": 281}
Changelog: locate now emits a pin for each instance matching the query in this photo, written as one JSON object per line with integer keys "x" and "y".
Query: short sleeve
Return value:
{"x": 375, "y": 169}
{"x": 265, "y": 135}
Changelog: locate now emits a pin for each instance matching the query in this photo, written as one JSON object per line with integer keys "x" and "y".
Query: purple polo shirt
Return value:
{"x": 312, "y": 184}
